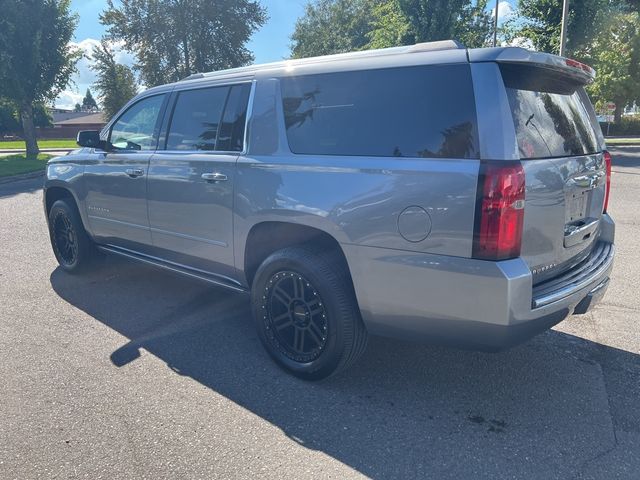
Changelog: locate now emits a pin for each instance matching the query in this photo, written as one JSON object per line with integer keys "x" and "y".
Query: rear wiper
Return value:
{"x": 538, "y": 132}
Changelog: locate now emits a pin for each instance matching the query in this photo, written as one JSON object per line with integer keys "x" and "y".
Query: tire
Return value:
{"x": 71, "y": 245}
{"x": 302, "y": 295}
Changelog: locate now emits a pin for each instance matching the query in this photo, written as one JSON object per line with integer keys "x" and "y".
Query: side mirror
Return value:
{"x": 89, "y": 138}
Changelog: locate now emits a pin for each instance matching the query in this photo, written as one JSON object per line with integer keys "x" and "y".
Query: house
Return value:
{"x": 67, "y": 124}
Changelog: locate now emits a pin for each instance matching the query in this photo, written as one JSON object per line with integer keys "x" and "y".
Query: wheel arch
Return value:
{"x": 58, "y": 191}
{"x": 54, "y": 193}
{"x": 266, "y": 237}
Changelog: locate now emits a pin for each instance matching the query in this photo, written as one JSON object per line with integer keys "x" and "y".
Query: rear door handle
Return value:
{"x": 214, "y": 177}
{"x": 134, "y": 172}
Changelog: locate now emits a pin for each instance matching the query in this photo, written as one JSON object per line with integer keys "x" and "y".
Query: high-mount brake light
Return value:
{"x": 570, "y": 62}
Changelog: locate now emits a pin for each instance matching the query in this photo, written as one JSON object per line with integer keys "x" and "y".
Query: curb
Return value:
{"x": 22, "y": 176}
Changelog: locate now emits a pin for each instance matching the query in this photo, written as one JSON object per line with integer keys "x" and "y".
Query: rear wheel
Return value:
{"x": 71, "y": 244}
{"x": 306, "y": 312}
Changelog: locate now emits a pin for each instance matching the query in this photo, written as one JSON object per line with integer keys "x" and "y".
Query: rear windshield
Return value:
{"x": 425, "y": 111}
{"x": 551, "y": 113}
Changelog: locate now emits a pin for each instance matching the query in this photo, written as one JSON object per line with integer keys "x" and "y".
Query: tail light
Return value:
{"x": 607, "y": 161}
{"x": 500, "y": 211}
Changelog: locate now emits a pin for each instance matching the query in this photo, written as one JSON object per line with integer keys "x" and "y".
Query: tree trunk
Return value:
{"x": 617, "y": 113}
{"x": 187, "y": 57}
{"x": 29, "y": 129}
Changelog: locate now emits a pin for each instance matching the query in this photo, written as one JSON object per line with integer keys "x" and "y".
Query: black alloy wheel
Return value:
{"x": 306, "y": 312}
{"x": 71, "y": 244}
{"x": 65, "y": 239}
{"x": 295, "y": 317}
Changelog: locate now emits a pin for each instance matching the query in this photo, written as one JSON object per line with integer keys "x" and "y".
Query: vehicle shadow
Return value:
{"x": 30, "y": 185}
{"x": 625, "y": 156}
{"x": 550, "y": 408}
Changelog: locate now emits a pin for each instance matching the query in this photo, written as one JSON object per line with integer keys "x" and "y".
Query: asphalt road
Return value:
{"x": 131, "y": 372}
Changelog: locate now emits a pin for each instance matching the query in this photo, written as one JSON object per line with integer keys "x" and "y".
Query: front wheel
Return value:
{"x": 306, "y": 312}
{"x": 71, "y": 244}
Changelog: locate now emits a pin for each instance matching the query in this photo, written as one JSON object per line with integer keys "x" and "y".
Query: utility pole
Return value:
{"x": 495, "y": 25}
{"x": 563, "y": 31}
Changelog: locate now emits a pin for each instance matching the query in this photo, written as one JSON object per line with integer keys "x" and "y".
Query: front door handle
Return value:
{"x": 134, "y": 172}
{"x": 214, "y": 177}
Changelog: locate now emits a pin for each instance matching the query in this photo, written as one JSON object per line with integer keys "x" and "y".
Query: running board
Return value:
{"x": 157, "y": 262}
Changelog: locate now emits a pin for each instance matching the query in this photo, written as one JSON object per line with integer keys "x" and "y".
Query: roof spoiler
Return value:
{"x": 581, "y": 72}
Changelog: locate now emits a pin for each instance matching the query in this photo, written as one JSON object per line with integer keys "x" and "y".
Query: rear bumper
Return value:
{"x": 466, "y": 302}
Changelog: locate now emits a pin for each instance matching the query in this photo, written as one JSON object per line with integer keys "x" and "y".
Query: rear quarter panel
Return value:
{"x": 357, "y": 200}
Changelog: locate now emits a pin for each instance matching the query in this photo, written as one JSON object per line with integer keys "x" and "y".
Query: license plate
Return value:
{"x": 577, "y": 205}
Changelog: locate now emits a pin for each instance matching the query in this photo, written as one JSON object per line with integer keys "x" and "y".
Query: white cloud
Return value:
{"x": 505, "y": 11}
{"x": 521, "y": 42}
{"x": 68, "y": 99}
{"x": 85, "y": 77}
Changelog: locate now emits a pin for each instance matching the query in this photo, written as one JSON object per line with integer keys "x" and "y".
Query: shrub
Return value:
{"x": 630, "y": 125}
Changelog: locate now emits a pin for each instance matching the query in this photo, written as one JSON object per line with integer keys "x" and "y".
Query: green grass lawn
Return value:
{"x": 52, "y": 143}
{"x": 17, "y": 164}
{"x": 623, "y": 141}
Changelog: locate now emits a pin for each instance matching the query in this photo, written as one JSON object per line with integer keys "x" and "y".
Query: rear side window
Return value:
{"x": 550, "y": 112}
{"x": 425, "y": 111}
{"x": 196, "y": 119}
{"x": 209, "y": 119}
{"x": 231, "y": 136}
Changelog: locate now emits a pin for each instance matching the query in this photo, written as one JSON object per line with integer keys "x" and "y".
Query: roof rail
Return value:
{"x": 193, "y": 76}
{"x": 433, "y": 46}
{"x": 416, "y": 48}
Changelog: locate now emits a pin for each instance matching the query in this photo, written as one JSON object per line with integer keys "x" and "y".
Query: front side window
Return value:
{"x": 424, "y": 111}
{"x": 137, "y": 128}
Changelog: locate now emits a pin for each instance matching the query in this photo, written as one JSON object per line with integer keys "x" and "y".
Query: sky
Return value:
{"x": 270, "y": 43}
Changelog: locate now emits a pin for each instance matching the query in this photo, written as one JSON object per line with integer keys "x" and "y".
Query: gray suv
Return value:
{"x": 431, "y": 192}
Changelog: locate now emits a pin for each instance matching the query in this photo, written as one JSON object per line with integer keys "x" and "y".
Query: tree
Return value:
{"x": 10, "y": 117}
{"x": 389, "y": 27}
{"x": 88, "y": 102}
{"x": 77, "y": 108}
{"x": 36, "y": 62}
{"x": 116, "y": 83}
{"x": 41, "y": 116}
{"x": 8, "y": 121}
{"x": 174, "y": 38}
{"x": 332, "y": 26}
{"x": 616, "y": 58}
{"x": 464, "y": 20}
{"x": 541, "y": 23}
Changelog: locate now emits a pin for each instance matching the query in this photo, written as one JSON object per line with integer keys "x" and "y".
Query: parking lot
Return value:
{"x": 131, "y": 372}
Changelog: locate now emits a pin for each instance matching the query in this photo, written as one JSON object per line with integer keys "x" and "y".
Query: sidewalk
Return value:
{"x": 623, "y": 141}
{"x": 4, "y": 152}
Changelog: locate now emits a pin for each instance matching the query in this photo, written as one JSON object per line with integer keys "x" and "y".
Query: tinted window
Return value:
{"x": 425, "y": 111}
{"x": 137, "y": 128}
{"x": 196, "y": 119}
{"x": 550, "y": 115}
{"x": 231, "y": 136}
